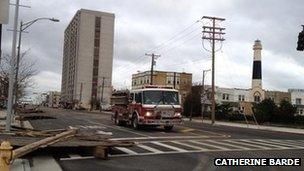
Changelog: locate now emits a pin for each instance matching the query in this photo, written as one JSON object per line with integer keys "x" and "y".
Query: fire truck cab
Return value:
{"x": 151, "y": 105}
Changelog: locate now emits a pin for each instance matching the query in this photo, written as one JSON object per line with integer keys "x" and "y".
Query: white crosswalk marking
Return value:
{"x": 197, "y": 146}
{"x": 207, "y": 144}
{"x": 264, "y": 143}
{"x": 190, "y": 145}
{"x": 296, "y": 142}
{"x": 283, "y": 143}
{"x": 292, "y": 142}
{"x": 126, "y": 150}
{"x": 247, "y": 144}
{"x": 231, "y": 145}
{"x": 169, "y": 146}
{"x": 154, "y": 150}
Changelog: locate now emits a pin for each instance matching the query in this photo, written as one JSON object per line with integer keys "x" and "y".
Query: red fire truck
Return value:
{"x": 151, "y": 105}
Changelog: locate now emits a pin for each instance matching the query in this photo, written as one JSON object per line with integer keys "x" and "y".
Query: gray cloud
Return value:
{"x": 141, "y": 25}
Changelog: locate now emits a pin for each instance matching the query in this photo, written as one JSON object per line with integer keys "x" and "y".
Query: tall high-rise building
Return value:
{"x": 257, "y": 92}
{"x": 88, "y": 58}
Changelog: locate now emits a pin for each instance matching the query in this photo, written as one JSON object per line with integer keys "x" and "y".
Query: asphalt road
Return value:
{"x": 190, "y": 146}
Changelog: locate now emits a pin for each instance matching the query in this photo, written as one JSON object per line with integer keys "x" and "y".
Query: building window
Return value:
{"x": 298, "y": 101}
{"x": 257, "y": 99}
{"x": 138, "y": 97}
{"x": 257, "y": 96}
{"x": 300, "y": 111}
{"x": 170, "y": 80}
{"x": 96, "y": 42}
{"x": 225, "y": 96}
{"x": 241, "y": 97}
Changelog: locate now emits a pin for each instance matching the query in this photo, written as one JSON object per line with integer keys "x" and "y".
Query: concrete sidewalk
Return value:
{"x": 250, "y": 126}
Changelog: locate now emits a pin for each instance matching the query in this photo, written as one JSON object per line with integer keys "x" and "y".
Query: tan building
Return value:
{"x": 278, "y": 96}
{"x": 179, "y": 80}
{"x": 88, "y": 58}
{"x": 53, "y": 99}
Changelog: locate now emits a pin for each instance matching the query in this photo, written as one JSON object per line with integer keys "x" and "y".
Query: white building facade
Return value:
{"x": 297, "y": 99}
{"x": 231, "y": 95}
{"x": 88, "y": 58}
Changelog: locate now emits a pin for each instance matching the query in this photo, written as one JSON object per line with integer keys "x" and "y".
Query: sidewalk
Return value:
{"x": 250, "y": 126}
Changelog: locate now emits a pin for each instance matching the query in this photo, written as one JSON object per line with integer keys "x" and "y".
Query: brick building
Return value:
{"x": 178, "y": 80}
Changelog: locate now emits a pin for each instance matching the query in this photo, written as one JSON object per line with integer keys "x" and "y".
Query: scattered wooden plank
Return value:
{"x": 44, "y": 142}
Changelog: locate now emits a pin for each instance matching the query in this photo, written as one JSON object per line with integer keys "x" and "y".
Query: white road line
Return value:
{"x": 231, "y": 145}
{"x": 126, "y": 150}
{"x": 169, "y": 146}
{"x": 190, "y": 145}
{"x": 162, "y": 137}
{"x": 207, "y": 144}
{"x": 299, "y": 142}
{"x": 151, "y": 149}
{"x": 280, "y": 143}
{"x": 293, "y": 143}
{"x": 118, "y": 128}
{"x": 75, "y": 156}
{"x": 246, "y": 144}
{"x": 264, "y": 143}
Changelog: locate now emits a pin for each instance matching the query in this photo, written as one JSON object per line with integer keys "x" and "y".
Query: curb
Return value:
{"x": 250, "y": 126}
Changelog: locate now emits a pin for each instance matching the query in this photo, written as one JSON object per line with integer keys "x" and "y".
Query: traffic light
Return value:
{"x": 300, "y": 46}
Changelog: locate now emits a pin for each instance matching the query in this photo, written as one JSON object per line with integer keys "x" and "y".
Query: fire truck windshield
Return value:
{"x": 161, "y": 97}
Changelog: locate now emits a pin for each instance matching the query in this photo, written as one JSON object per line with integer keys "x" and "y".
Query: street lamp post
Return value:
{"x": 15, "y": 66}
{"x": 23, "y": 27}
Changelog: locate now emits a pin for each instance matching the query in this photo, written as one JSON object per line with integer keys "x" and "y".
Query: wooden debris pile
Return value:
{"x": 88, "y": 138}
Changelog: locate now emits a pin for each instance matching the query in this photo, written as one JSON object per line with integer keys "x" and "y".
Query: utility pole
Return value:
{"x": 153, "y": 63}
{"x": 17, "y": 67}
{"x": 0, "y": 42}
{"x": 213, "y": 34}
{"x": 174, "y": 80}
{"x": 203, "y": 94}
{"x": 12, "y": 71}
{"x": 24, "y": 26}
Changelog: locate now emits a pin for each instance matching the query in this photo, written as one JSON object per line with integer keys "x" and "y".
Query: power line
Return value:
{"x": 165, "y": 43}
{"x": 168, "y": 50}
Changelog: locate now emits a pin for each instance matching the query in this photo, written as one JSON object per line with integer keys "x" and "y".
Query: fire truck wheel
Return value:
{"x": 168, "y": 128}
{"x": 135, "y": 122}
{"x": 116, "y": 120}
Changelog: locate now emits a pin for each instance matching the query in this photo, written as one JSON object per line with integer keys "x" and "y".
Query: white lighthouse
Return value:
{"x": 257, "y": 93}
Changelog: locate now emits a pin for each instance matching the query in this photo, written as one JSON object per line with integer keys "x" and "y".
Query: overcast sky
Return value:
{"x": 143, "y": 25}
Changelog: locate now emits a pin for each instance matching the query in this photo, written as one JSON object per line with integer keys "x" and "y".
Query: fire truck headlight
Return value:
{"x": 177, "y": 114}
{"x": 148, "y": 114}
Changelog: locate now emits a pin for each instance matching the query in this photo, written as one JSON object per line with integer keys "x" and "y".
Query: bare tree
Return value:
{"x": 26, "y": 72}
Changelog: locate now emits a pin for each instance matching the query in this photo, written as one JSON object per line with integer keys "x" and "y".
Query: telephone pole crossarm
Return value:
{"x": 153, "y": 63}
